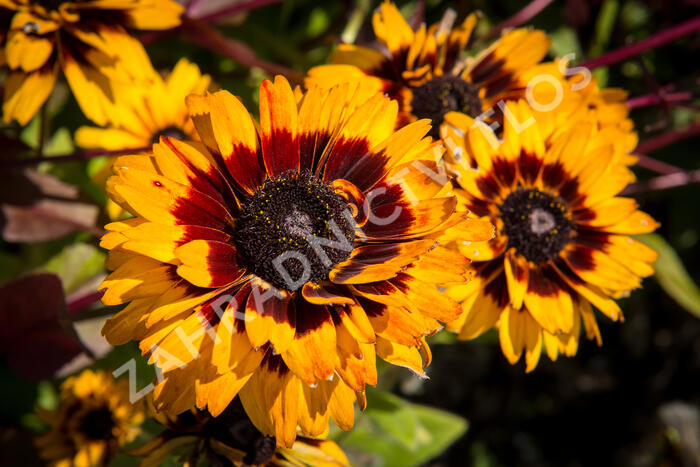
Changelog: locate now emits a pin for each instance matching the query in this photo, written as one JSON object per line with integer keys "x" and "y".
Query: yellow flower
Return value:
{"x": 142, "y": 114}
{"x": 303, "y": 247}
{"x": 425, "y": 73}
{"x": 93, "y": 420}
{"x": 561, "y": 241}
{"x": 87, "y": 40}
{"x": 197, "y": 438}
{"x": 606, "y": 109}
{"x": 582, "y": 102}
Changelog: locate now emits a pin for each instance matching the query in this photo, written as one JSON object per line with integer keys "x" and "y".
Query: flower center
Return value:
{"x": 30, "y": 27}
{"x": 49, "y": 5}
{"x": 98, "y": 424}
{"x": 536, "y": 223}
{"x": 294, "y": 230}
{"x": 170, "y": 131}
{"x": 443, "y": 94}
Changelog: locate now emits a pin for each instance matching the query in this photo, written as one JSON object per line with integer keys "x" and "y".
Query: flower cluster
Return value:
{"x": 263, "y": 264}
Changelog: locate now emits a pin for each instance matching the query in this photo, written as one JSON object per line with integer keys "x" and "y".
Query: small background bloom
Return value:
{"x": 94, "y": 418}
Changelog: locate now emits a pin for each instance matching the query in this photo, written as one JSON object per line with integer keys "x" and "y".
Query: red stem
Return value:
{"x": 209, "y": 38}
{"x": 150, "y": 37}
{"x": 191, "y": 13}
{"x": 667, "y": 138}
{"x": 76, "y": 156}
{"x": 531, "y": 10}
{"x": 74, "y": 305}
{"x": 656, "y": 165}
{"x": 672, "y": 176}
{"x": 236, "y": 8}
{"x": 192, "y": 7}
{"x": 654, "y": 99}
{"x": 657, "y": 40}
{"x": 419, "y": 15}
{"x": 664, "y": 182}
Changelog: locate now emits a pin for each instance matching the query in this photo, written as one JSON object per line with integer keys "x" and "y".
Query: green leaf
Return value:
{"x": 11, "y": 266}
{"x": 48, "y": 398}
{"x": 565, "y": 41}
{"x": 605, "y": 23}
{"x": 17, "y": 393}
{"x": 76, "y": 265}
{"x": 601, "y": 75}
{"x": 672, "y": 275}
{"x": 123, "y": 460}
{"x": 438, "y": 429}
{"x": 634, "y": 15}
{"x": 391, "y": 417}
{"x": 60, "y": 143}
{"x": 443, "y": 337}
{"x": 30, "y": 133}
{"x": 394, "y": 432}
{"x": 318, "y": 22}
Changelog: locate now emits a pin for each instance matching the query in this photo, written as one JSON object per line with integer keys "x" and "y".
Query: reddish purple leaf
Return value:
{"x": 32, "y": 339}
{"x": 37, "y": 207}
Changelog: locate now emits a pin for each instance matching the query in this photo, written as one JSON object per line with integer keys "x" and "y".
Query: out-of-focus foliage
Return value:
{"x": 672, "y": 275}
{"x": 394, "y": 432}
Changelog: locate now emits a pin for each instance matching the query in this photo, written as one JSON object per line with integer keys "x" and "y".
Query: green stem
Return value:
{"x": 43, "y": 130}
{"x": 604, "y": 27}
{"x": 357, "y": 17}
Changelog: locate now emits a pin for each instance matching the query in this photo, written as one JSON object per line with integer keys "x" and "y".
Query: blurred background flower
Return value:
{"x": 93, "y": 419}
{"x": 87, "y": 40}
{"x": 196, "y": 438}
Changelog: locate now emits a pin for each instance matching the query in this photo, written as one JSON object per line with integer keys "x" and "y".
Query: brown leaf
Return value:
{"x": 46, "y": 220}
{"x": 36, "y": 207}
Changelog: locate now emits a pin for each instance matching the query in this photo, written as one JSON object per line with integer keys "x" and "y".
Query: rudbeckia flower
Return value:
{"x": 424, "y": 71}
{"x": 276, "y": 261}
{"x": 582, "y": 102}
{"x": 562, "y": 240}
{"x": 142, "y": 114}
{"x": 197, "y": 438}
{"x": 87, "y": 40}
{"x": 605, "y": 108}
{"x": 94, "y": 418}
